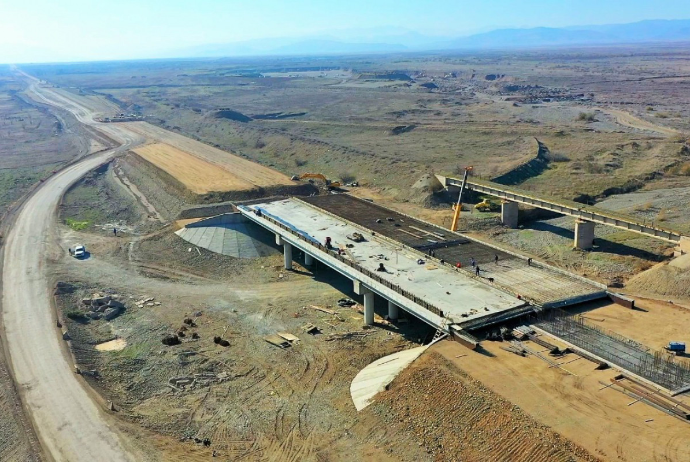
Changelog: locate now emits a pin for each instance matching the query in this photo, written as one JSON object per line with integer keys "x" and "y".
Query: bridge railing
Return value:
{"x": 370, "y": 274}
{"x": 572, "y": 208}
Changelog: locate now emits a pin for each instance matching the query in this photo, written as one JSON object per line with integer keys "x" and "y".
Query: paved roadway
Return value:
{"x": 69, "y": 424}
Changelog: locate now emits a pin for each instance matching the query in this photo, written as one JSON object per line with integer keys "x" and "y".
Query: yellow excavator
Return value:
{"x": 317, "y": 176}
{"x": 458, "y": 206}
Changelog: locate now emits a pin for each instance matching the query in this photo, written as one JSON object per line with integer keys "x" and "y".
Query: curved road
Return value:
{"x": 70, "y": 425}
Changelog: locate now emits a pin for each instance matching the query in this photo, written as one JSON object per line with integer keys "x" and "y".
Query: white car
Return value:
{"x": 79, "y": 251}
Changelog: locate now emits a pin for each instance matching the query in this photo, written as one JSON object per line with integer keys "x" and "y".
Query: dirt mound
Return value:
{"x": 230, "y": 114}
{"x": 455, "y": 417}
{"x": 426, "y": 191}
{"x": 400, "y": 129}
{"x": 427, "y": 183}
{"x": 668, "y": 280}
{"x": 529, "y": 169}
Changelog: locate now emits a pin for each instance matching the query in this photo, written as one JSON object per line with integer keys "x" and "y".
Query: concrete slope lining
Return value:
{"x": 239, "y": 240}
{"x": 374, "y": 378}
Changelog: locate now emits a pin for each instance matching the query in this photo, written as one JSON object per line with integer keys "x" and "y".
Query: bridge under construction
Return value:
{"x": 448, "y": 280}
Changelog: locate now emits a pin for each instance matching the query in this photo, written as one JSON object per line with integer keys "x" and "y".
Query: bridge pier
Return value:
{"x": 308, "y": 259}
{"x": 584, "y": 234}
{"x": 361, "y": 289}
{"x": 509, "y": 214}
{"x": 287, "y": 255}
{"x": 392, "y": 311}
{"x": 279, "y": 239}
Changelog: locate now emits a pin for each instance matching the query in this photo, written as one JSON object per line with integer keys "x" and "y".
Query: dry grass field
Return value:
{"x": 197, "y": 175}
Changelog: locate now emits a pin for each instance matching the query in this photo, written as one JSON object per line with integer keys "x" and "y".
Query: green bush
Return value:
{"x": 77, "y": 225}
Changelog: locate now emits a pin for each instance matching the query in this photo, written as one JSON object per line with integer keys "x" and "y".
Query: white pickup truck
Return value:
{"x": 79, "y": 251}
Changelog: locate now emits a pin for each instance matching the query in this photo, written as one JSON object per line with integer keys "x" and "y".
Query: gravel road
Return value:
{"x": 70, "y": 425}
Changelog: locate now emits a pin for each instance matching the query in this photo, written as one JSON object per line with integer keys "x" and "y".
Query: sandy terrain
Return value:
{"x": 653, "y": 323}
{"x": 251, "y": 172}
{"x": 601, "y": 421}
{"x": 198, "y": 175}
{"x": 457, "y": 418}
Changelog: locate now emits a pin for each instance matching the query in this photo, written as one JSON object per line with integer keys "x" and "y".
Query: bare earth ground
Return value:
{"x": 654, "y": 323}
{"x": 268, "y": 404}
{"x": 243, "y": 169}
{"x": 199, "y": 176}
{"x": 575, "y": 406}
{"x": 456, "y": 417}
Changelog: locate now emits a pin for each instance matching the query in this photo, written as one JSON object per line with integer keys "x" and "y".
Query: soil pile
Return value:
{"x": 456, "y": 418}
{"x": 670, "y": 280}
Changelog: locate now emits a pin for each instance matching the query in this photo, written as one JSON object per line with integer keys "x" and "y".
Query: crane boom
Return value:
{"x": 458, "y": 206}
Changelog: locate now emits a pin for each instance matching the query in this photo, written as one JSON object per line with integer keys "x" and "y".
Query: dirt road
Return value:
{"x": 628, "y": 120}
{"x": 69, "y": 424}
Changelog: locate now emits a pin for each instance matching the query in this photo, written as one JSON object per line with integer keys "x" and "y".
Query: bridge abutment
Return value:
{"x": 584, "y": 235}
{"x": 509, "y": 214}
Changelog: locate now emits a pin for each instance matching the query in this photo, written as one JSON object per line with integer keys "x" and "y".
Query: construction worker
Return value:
{"x": 473, "y": 262}
{"x": 476, "y": 270}
{"x": 496, "y": 259}
{"x": 529, "y": 261}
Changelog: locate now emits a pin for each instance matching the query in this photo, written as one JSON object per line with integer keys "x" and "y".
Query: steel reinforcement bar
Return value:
{"x": 618, "y": 350}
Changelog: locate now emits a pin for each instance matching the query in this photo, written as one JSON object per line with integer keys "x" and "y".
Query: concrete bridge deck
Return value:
{"x": 539, "y": 284}
{"x": 434, "y": 291}
{"x": 583, "y": 212}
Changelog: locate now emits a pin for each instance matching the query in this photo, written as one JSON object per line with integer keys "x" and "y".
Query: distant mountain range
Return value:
{"x": 387, "y": 40}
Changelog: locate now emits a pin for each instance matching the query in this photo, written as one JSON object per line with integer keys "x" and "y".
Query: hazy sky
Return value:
{"x": 114, "y": 29}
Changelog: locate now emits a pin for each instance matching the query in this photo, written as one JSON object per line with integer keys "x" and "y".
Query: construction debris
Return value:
{"x": 347, "y": 335}
{"x": 320, "y": 308}
{"x": 289, "y": 337}
{"x": 278, "y": 341}
{"x": 310, "y": 328}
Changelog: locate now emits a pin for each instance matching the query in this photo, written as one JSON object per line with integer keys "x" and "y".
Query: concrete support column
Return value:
{"x": 369, "y": 308}
{"x": 392, "y": 311}
{"x": 279, "y": 239}
{"x": 308, "y": 259}
{"x": 287, "y": 255}
{"x": 509, "y": 214}
{"x": 361, "y": 289}
{"x": 584, "y": 234}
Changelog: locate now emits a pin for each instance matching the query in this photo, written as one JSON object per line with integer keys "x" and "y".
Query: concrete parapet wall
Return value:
{"x": 223, "y": 219}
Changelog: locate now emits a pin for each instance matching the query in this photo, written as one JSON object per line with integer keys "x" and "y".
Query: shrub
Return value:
{"x": 587, "y": 117}
{"x": 77, "y": 225}
{"x": 347, "y": 177}
{"x": 300, "y": 162}
{"x": 76, "y": 315}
